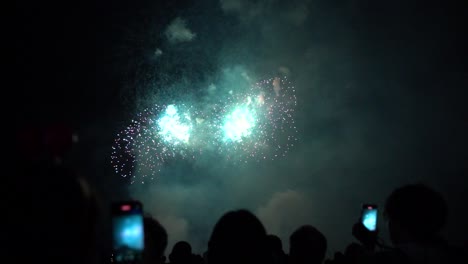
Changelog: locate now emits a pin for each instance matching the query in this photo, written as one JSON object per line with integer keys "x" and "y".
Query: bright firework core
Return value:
{"x": 173, "y": 127}
{"x": 239, "y": 124}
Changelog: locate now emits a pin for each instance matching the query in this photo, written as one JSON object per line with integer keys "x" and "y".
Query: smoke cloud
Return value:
{"x": 177, "y": 31}
{"x": 294, "y": 12}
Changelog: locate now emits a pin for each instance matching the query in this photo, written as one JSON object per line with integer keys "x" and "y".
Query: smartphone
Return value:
{"x": 369, "y": 216}
{"x": 127, "y": 231}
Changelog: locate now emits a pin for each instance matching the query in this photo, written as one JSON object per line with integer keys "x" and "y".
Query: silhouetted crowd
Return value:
{"x": 60, "y": 212}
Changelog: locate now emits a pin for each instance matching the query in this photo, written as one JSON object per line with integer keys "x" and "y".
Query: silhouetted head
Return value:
{"x": 275, "y": 248}
{"x": 155, "y": 241}
{"x": 181, "y": 252}
{"x": 274, "y": 243}
{"x": 238, "y": 237}
{"x": 415, "y": 213}
{"x": 307, "y": 245}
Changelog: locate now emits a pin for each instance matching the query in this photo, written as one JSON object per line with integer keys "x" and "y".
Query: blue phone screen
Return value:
{"x": 128, "y": 234}
{"x": 369, "y": 218}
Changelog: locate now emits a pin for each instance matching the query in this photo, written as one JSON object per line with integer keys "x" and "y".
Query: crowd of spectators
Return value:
{"x": 59, "y": 212}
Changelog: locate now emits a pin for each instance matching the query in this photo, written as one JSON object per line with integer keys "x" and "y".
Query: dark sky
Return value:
{"x": 381, "y": 87}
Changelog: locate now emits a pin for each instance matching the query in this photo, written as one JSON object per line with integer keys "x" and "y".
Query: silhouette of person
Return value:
{"x": 307, "y": 245}
{"x": 155, "y": 241}
{"x": 181, "y": 253}
{"x": 275, "y": 247}
{"x": 416, "y": 214}
{"x": 238, "y": 237}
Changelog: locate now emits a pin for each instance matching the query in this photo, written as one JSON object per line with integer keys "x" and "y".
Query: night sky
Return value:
{"x": 381, "y": 90}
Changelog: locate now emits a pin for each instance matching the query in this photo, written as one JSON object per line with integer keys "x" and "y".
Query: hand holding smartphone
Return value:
{"x": 366, "y": 229}
{"x": 127, "y": 231}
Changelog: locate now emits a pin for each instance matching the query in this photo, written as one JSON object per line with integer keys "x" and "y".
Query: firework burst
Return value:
{"x": 250, "y": 124}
